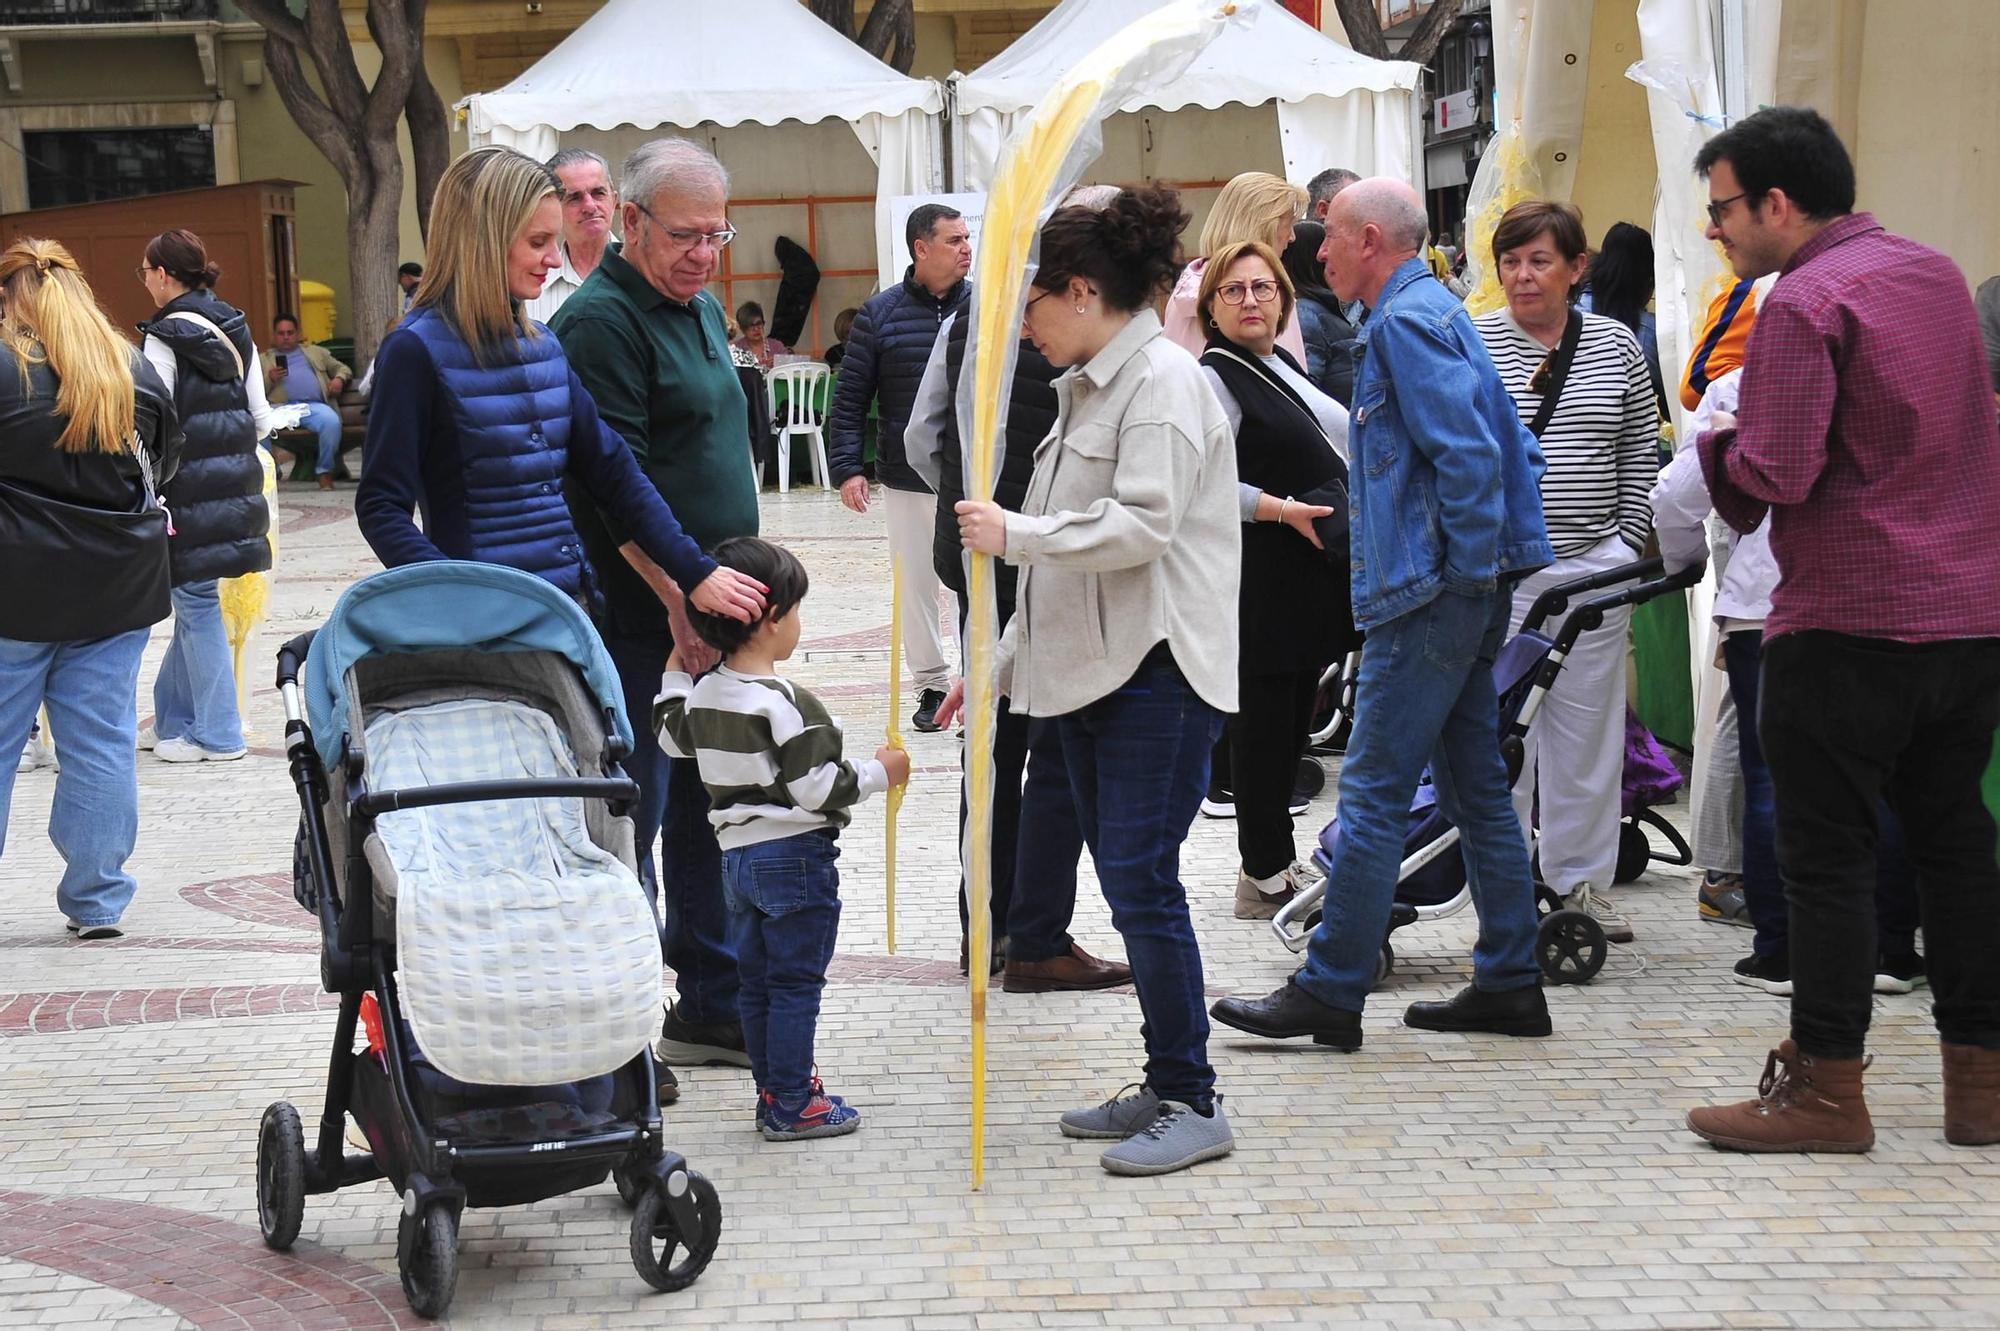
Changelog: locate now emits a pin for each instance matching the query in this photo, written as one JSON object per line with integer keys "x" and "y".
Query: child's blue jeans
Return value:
{"x": 784, "y": 912}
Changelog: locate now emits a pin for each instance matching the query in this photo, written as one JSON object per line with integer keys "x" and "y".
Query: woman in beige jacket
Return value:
{"x": 1124, "y": 630}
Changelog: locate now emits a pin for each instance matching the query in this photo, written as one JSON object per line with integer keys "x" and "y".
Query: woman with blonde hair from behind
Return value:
{"x": 87, "y": 431}
{"x": 476, "y": 418}
{"x": 1254, "y": 206}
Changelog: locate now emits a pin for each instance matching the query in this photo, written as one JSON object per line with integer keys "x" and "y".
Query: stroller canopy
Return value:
{"x": 445, "y": 605}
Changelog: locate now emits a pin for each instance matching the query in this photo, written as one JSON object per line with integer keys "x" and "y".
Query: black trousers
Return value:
{"x": 1845, "y": 722}
{"x": 1257, "y": 759}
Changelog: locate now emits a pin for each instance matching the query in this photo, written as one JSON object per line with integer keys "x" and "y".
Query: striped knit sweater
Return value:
{"x": 1603, "y": 445}
{"x": 768, "y": 752}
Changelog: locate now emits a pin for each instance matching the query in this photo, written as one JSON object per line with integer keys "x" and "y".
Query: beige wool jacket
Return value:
{"x": 1130, "y": 533}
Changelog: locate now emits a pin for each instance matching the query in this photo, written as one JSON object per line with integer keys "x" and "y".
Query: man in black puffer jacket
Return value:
{"x": 1040, "y": 955}
{"x": 887, "y": 349}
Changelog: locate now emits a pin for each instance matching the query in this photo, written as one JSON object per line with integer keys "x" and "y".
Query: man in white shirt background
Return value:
{"x": 589, "y": 204}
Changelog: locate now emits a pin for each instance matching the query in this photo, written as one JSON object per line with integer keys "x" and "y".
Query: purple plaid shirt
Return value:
{"x": 1867, "y": 432}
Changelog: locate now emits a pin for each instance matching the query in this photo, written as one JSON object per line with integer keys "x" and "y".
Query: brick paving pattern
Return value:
{"x": 1428, "y": 1181}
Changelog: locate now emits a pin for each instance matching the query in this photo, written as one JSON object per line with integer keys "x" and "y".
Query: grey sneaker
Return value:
{"x": 1115, "y": 1119}
{"x": 1179, "y": 1137}
{"x": 1595, "y": 904}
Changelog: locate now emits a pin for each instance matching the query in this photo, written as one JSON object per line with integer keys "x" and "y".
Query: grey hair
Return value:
{"x": 1322, "y": 187}
{"x": 673, "y": 165}
{"x": 1390, "y": 205}
{"x": 1094, "y": 197}
{"x": 569, "y": 157}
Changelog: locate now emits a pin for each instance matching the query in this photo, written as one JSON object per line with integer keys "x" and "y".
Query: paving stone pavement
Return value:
{"x": 1429, "y": 1181}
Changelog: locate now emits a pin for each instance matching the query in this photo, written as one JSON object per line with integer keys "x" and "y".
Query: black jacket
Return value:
{"x": 38, "y": 481}
{"x": 887, "y": 349}
{"x": 221, "y": 521}
{"x": 1031, "y": 414}
{"x": 1294, "y": 610}
{"x": 1329, "y": 339}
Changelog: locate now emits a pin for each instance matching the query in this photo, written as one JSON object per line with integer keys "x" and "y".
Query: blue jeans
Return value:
{"x": 1426, "y": 696}
{"x": 324, "y": 421}
{"x": 1138, "y": 766}
{"x": 784, "y": 913}
{"x": 90, "y": 690}
{"x": 194, "y": 695}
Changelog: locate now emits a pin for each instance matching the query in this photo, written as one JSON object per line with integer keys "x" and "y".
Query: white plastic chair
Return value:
{"x": 803, "y": 386}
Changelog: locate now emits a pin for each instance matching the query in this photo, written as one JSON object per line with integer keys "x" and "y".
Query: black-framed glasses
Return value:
{"x": 687, "y": 240}
{"x": 1717, "y": 207}
{"x": 1263, "y": 291}
{"x": 1031, "y": 302}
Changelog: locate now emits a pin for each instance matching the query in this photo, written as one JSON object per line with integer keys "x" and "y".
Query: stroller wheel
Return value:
{"x": 655, "y": 1236}
{"x": 1634, "y": 853}
{"x": 629, "y": 1185}
{"x": 1571, "y": 947}
{"x": 1385, "y": 965}
{"x": 281, "y": 1176}
{"x": 1547, "y": 900}
{"x": 1311, "y": 778}
{"x": 427, "y": 1256}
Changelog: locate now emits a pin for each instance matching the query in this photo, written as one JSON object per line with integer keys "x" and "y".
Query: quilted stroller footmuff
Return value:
{"x": 528, "y": 953}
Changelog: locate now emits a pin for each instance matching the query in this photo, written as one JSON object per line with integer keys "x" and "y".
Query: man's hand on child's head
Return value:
{"x": 896, "y": 762}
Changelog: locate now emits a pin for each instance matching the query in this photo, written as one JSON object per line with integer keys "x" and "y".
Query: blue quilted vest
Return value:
{"x": 513, "y": 418}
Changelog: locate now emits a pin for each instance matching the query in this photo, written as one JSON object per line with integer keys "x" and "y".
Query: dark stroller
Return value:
{"x": 1431, "y": 884}
{"x": 464, "y": 845}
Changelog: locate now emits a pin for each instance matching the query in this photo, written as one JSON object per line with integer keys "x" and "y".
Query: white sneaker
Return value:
{"x": 1262, "y": 898}
{"x": 148, "y": 738}
{"x": 187, "y": 751}
{"x": 1617, "y": 929}
{"x": 37, "y": 752}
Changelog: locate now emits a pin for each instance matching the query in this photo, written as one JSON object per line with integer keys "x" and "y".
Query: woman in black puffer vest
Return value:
{"x": 201, "y": 348}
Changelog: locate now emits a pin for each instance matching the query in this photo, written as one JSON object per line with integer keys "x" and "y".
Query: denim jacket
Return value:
{"x": 1445, "y": 481}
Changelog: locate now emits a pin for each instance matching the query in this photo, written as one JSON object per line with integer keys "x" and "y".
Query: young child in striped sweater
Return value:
{"x": 779, "y": 791}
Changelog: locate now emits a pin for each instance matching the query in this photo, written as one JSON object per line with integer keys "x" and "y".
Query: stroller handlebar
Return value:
{"x": 1557, "y": 598}
{"x": 469, "y": 792}
{"x": 292, "y": 656}
{"x": 1591, "y": 613}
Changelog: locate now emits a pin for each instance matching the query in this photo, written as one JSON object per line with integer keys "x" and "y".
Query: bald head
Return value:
{"x": 1373, "y": 227}
{"x": 1387, "y": 204}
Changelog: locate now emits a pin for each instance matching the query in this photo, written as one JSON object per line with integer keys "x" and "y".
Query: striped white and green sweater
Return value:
{"x": 768, "y": 752}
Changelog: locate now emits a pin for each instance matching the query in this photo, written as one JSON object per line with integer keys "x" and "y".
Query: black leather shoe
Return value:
{"x": 693, "y": 1044}
{"x": 1288, "y": 1012}
{"x": 1508, "y": 1012}
{"x": 928, "y": 703}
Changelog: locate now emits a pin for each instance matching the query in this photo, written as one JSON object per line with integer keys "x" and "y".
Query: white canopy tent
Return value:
{"x": 761, "y": 62}
{"x": 1334, "y": 107}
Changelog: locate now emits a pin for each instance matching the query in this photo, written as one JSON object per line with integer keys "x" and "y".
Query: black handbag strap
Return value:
{"x": 1559, "y": 363}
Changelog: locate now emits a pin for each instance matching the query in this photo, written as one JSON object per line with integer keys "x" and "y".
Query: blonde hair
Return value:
{"x": 1253, "y": 206}
{"x": 52, "y": 316}
{"x": 484, "y": 202}
{"x": 1213, "y": 274}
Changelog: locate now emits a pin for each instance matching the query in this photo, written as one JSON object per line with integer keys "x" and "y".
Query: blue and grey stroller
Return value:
{"x": 456, "y": 740}
{"x": 1431, "y": 883}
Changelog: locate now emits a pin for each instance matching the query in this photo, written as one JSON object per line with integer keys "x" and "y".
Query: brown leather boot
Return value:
{"x": 1803, "y": 1104}
{"x": 1971, "y": 1095}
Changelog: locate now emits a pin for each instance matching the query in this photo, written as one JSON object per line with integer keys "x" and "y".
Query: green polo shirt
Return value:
{"x": 661, "y": 375}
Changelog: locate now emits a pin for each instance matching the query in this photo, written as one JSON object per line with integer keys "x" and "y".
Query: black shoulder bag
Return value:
{"x": 80, "y": 572}
{"x": 1558, "y": 367}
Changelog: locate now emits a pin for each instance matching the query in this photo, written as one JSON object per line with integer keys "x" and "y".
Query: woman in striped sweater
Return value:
{"x": 1601, "y": 442}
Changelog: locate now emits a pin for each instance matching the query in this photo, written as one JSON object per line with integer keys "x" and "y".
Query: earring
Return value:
{"x": 1079, "y": 309}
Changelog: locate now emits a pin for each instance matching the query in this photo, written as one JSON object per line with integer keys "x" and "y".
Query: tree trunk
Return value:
{"x": 890, "y": 34}
{"x": 1423, "y": 41}
{"x": 1364, "y": 27}
{"x": 430, "y": 143}
{"x": 353, "y": 124}
{"x": 836, "y": 14}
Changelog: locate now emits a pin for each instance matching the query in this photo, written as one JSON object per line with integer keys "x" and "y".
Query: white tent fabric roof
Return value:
{"x": 638, "y": 62}
{"x": 1274, "y": 57}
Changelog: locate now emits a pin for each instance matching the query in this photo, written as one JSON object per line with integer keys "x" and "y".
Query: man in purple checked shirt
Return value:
{"x": 1867, "y": 434}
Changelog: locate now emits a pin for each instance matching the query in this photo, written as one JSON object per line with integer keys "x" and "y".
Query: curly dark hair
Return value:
{"x": 774, "y": 566}
{"x": 1129, "y": 249}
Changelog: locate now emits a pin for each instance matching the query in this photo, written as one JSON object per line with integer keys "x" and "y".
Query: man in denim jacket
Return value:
{"x": 1447, "y": 515}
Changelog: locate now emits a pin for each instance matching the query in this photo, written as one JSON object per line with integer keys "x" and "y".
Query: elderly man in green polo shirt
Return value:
{"x": 652, "y": 347}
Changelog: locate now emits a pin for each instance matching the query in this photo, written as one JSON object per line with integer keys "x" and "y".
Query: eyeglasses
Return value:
{"x": 1538, "y": 382}
{"x": 1262, "y": 291}
{"x": 1032, "y": 299}
{"x": 1717, "y": 207}
{"x": 688, "y": 240}
{"x": 141, "y": 271}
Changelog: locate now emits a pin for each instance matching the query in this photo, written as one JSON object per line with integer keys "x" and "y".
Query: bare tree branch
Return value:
{"x": 1423, "y": 41}
{"x": 430, "y": 142}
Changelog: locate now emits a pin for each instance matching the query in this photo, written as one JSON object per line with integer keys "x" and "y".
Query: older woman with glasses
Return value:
{"x": 1580, "y": 382}
{"x": 1293, "y": 607}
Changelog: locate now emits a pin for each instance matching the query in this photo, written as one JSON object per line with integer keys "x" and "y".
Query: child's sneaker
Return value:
{"x": 821, "y": 1115}
{"x": 765, "y": 1100}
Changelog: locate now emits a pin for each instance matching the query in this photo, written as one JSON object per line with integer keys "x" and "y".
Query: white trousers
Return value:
{"x": 912, "y": 523}
{"x": 1576, "y": 746}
